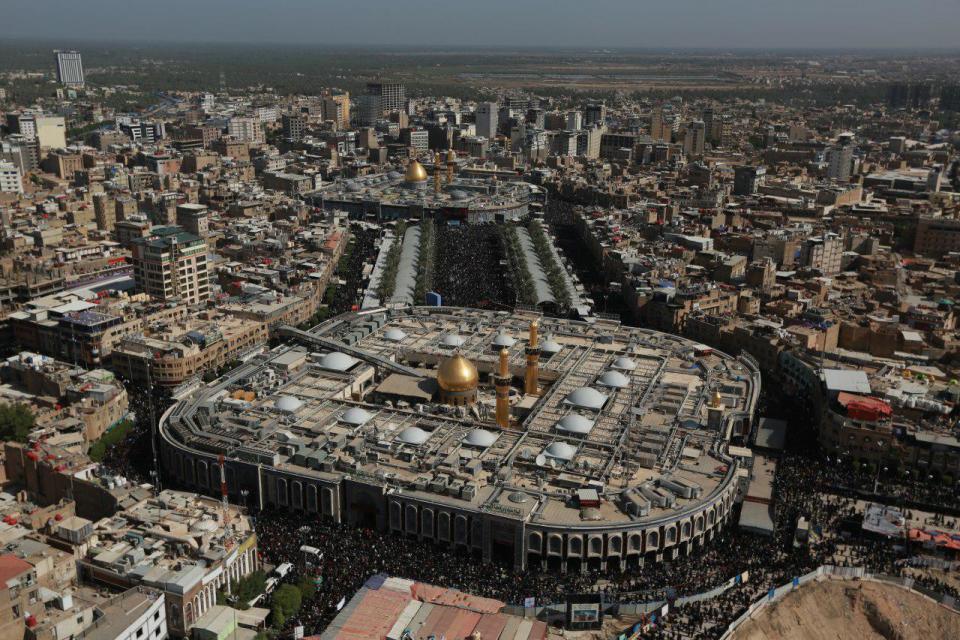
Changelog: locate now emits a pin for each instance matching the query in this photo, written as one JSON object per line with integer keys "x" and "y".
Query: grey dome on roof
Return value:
{"x": 575, "y": 423}
{"x": 396, "y": 335}
{"x": 289, "y": 404}
{"x": 549, "y": 346}
{"x": 625, "y": 363}
{"x": 503, "y": 340}
{"x": 459, "y": 194}
{"x": 355, "y": 415}
{"x": 202, "y": 526}
{"x": 586, "y": 398}
{"x": 613, "y": 379}
{"x": 353, "y": 187}
{"x": 337, "y": 361}
{"x": 413, "y": 435}
{"x": 560, "y": 451}
{"x": 480, "y": 438}
{"x": 452, "y": 340}
{"x": 394, "y": 175}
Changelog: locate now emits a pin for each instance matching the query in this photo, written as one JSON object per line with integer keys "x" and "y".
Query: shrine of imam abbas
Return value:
{"x": 413, "y": 194}
{"x": 527, "y": 440}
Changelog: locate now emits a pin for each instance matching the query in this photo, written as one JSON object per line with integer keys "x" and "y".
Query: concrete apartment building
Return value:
{"x": 487, "y": 119}
{"x": 937, "y": 237}
{"x": 246, "y": 129}
{"x": 823, "y": 253}
{"x": 176, "y": 352}
{"x": 392, "y": 95}
{"x": 10, "y": 179}
{"x": 336, "y": 107}
{"x": 171, "y": 264}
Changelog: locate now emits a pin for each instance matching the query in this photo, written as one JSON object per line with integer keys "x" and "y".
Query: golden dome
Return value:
{"x": 457, "y": 374}
{"x": 415, "y": 172}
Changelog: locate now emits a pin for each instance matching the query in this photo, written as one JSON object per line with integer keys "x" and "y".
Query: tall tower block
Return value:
{"x": 502, "y": 383}
{"x": 532, "y": 378}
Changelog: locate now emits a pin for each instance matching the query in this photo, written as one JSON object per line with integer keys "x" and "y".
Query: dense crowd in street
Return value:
{"x": 484, "y": 283}
{"x": 353, "y": 555}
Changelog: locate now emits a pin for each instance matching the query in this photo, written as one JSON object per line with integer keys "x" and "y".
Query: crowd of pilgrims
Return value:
{"x": 484, "y": 284}
{"x": 351, "y": 556}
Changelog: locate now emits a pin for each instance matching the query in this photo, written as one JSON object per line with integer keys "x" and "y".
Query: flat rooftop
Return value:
{"x": 619, "y": 409}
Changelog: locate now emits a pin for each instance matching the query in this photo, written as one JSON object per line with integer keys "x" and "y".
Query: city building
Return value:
{"x": 171, "y": 264}
{"x": 694, "y": 139}
{"x": 746, "y": 179}
{"x": 246, "y": 129}
{"x": 69, "y": 68}
{"x": 143, "y": 132}
{"x": 336, "y": 107}
{"x": 11, "y": 180}
{"x": 839, "y": 158}
{"x": 392, "y": 95}
{"x": 487, "y": 115}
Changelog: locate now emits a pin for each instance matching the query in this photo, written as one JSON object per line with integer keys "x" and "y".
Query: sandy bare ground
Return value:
{"x": 835, "y": 610}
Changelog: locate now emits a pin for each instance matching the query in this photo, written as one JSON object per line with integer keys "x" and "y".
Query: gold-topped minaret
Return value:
{"x": 451, "y": 163}
{"x": 502, "y": 383}
{"x": 436, "y": 172}
{"x": 532, "y": 378}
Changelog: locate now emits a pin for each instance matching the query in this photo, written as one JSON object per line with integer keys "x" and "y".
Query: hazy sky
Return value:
{"x": 559, "y": 23}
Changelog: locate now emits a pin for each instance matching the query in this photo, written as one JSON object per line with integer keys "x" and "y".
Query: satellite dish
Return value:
{"x": 541, "y": 460}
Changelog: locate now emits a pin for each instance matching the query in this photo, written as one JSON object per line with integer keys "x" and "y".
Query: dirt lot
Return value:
{"x": 834, "y": 610}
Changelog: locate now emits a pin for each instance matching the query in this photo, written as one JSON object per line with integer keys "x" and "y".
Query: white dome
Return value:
{"x": 395, "y": 335}
{"x": 337, "y": 361}
{"x": 575, "y": 423}
{"x": 560, "y": 451}
{"x": 413, "y": 435}
{"x": 287, "y": 404}
{"x": 480, "y": 438}
{"x": 355, "y": 415}
{"x": 613, "y": 379}
{"x": 452, "y": 340}
{"x": 503, "y": 340}
{"x": 586, "y": 398}
{"x": 625, "y": 363}
{"x": 550, "y": 346}
{"x": 204, "y": 525}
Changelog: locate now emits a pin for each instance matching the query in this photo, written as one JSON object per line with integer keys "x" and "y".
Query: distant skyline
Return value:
{"x": 681, "y": 24}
